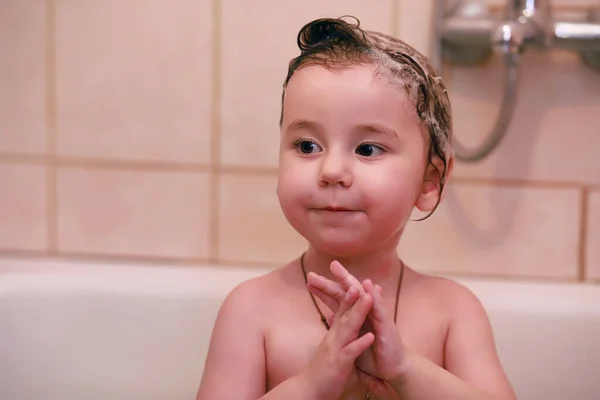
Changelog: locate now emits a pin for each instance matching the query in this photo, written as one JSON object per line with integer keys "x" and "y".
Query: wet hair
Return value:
{"x": 334, "y": 42}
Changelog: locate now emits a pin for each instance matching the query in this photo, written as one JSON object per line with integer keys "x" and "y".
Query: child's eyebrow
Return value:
{"x": 315, "y": 126}
{"x": 305, "y": 124}
{"x": 376, "y": 128}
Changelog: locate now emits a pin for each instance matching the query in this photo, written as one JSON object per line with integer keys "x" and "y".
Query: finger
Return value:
{"x": 326, "y": 283}
{"x": 345, "y": 278}
{"x": 328, "y": 286}
{"x": 379, "y": 289}
{"x": 349, "y": 300}
{"x": 348, "y": 324}
{"x": 357, "y": 347}
{"x": 378, "y": 311}
{"x": 331, "y": 302}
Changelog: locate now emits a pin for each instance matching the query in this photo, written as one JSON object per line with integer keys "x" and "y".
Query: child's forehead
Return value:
{"x": 345, "y": 95}
{"x": 356, "y": 81}
{"x": 357, "y": 73}
{"x": 358, "y": 76}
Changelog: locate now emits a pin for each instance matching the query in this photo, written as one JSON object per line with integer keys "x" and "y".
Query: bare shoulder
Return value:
{"x": 247, "y": 300}
{"x": 452, "y": 297}
{"x": 248, "y": 295}
{"x": 469, "y": 351}
{"x": 237, "y": 343}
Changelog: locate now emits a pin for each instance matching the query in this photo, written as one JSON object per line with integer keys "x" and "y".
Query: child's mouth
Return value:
{"x": 338, "y": 209}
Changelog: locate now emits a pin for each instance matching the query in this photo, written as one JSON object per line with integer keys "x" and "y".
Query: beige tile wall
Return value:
{"x": 150, "y": 131}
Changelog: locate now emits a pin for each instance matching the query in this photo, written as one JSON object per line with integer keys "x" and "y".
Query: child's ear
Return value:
{"x": 432, "y": 184}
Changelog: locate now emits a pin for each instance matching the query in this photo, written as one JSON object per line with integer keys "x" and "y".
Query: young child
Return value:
{"x": 365, "y": 138}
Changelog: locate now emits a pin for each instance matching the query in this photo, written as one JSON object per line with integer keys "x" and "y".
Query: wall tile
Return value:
{"x": 593, "y": 237}
{"x": 22, "y": 76}
{"x": 259, "y": 39}
{"x": 134, "y": 79}
{"x": 23, "y": 207}
{"x": 554, "y": 134}
{"x": 499, "y": 231}
{"x": 162, "y": 214}
{"x": 414, "y": 21}
{"x": 252, "y": 227}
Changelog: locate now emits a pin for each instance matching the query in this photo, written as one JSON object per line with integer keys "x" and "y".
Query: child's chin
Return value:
{"x": 341, "y": 247}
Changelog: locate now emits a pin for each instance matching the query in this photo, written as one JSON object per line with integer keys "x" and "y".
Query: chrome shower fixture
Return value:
{"x": 467, "y": 32}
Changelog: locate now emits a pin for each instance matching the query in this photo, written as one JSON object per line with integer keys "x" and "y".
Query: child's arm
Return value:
{"x": 473, "y": 370}
{"x": 235, "y": 365}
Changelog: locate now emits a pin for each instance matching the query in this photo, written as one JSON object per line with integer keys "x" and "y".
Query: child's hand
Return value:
{"x": 386, "y": 359}
{"x": 389, "y": 355}
{"x": 333, "y": 365}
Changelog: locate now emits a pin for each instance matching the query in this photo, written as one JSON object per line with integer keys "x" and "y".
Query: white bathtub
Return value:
{"x": 75, "y": 331}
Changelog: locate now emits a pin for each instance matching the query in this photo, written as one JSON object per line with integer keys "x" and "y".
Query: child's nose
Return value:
{"x": 335, "y": 170}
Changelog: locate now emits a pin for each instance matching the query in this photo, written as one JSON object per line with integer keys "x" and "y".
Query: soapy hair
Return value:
{"x": 334, "y": 42}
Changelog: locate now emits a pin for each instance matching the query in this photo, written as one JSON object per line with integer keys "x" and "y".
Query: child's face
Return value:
{"x": 353, "y": 159}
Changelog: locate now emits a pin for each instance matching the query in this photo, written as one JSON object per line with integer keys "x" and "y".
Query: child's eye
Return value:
{"x": 307, "y": 147}
{"x": 369, "y": 150}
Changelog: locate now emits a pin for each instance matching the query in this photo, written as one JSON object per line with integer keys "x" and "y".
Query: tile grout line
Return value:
{"x": 27, "y": 159}
{"x": 583, "y": 231}
{"x": 512, "y": 182}
{"x": 94, "y": 257}
{"x": 51, "y": 126}
{"x": 159, "y": 166}
{"x": 215, "y": 132}
{"x": 213, "y": 166}
{"x": 100, "y": 163}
